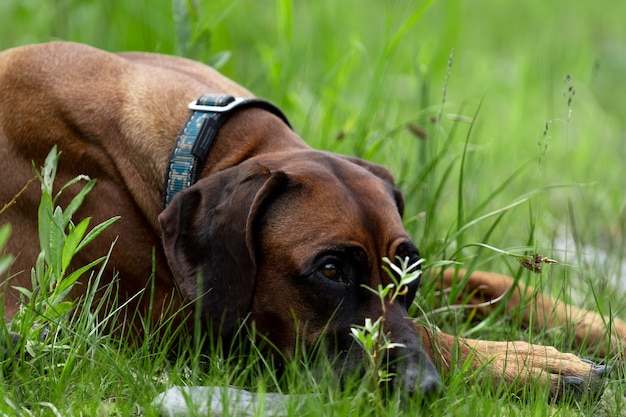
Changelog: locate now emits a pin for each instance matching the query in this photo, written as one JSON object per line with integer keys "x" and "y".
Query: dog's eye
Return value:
{"x": 330, "y": 271}
{"x": 339, "y": 266}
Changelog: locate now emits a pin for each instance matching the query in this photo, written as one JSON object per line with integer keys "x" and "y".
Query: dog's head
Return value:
{"x": 291, "y": 242}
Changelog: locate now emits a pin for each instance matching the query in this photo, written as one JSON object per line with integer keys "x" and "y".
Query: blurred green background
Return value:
{"x": 502, "y": 121}
{"x": 352, "y": 75}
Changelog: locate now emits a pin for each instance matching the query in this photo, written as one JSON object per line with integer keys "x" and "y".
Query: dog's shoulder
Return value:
{"x": 186, "y": 68}
{"x": 54, "y": 62}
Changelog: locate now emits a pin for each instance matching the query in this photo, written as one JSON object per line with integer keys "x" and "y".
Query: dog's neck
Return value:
{"x": 194, "y": 141}
{"x": 245, "y": 134}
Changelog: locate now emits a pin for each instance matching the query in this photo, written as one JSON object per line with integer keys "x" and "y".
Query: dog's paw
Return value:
{"x": 588, "y": 384}
{"x": 520, "y": 365}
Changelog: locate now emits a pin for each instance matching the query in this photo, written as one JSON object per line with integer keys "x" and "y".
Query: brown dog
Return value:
{"x": 281, "y": 234}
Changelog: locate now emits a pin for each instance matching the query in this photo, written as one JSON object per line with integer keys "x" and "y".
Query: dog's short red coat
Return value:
{"x": 265, "y": 224}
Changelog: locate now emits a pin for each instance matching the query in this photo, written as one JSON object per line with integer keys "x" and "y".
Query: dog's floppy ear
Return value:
{"x": 208, "y": 229}
{"x": 382, "y": 173}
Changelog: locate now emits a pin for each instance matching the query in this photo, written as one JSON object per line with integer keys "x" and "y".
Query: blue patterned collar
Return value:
{"x": 194, "y": 141}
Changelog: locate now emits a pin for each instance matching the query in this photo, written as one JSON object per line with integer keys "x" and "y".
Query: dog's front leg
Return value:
{"x": 603, "y": 336}
{"x": 518, "y": 365}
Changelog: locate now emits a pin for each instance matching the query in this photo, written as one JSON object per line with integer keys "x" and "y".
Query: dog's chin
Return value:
{"x": 410, "y": 372}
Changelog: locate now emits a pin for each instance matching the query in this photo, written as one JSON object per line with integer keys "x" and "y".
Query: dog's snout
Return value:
{"x": 412, "y": 366}
{"x": 428, "y": 380}
{"x": 430, "y": 385}
{"x": 415, "y": 373}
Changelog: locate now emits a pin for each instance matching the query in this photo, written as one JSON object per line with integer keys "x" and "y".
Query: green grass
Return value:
{"x": 351, "y": 75}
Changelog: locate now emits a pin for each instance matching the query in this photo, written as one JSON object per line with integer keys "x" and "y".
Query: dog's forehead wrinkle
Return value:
{"x": 314, "y": 216}
{"x": 340, "y": 189}
{"x": 324, "y": 166}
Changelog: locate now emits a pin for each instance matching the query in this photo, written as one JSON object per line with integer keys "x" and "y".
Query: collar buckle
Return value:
{"x": 230, "y": 103}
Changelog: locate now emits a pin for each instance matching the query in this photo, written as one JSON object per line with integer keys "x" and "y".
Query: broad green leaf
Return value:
{"x": 7, "y": 259}
{"x": 72, "y": 241}
{"x": 49, "y": 170}
{"x": 71, "y": 182}
{"x": 24, "y": 291}
{"x": 95, "y": 232}
{"x": 66, "y": 284}
{"x": 77, "y": 201}
{"x": 44, "y": 221}
{"x": 54, "y": 311}
{"x": 38, "y": 274}
{"x": 57, "y": 241}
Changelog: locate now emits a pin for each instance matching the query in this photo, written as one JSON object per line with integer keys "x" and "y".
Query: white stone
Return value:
{"x": 214, "y": 401}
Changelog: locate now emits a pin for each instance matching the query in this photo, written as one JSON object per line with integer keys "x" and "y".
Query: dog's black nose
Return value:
{"x": 415, "y": 374}
{"x": 429, "y": 384}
